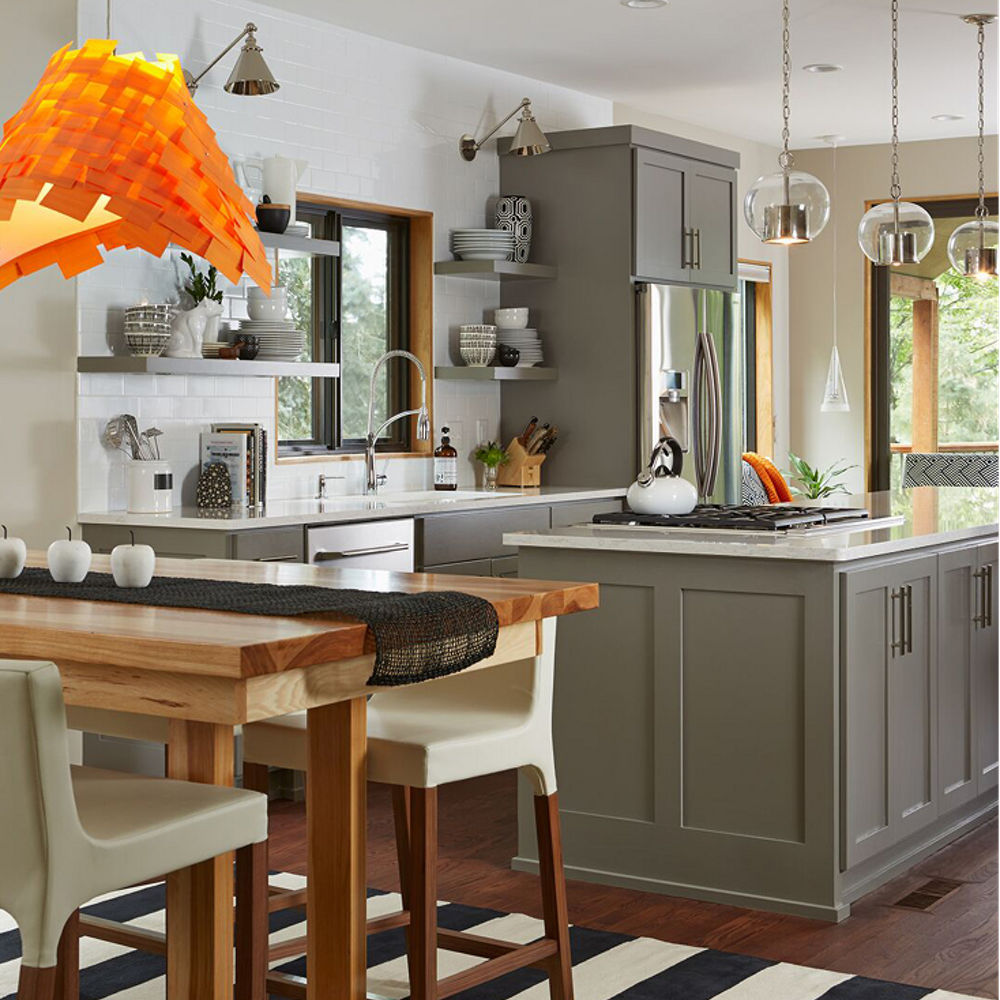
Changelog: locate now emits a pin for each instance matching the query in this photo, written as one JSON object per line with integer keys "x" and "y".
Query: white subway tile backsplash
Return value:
{"x": 377, "y": 121}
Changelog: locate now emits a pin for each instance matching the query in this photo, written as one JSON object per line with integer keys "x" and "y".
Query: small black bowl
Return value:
{"x": 507, "y": 355}
{"x": 273, "y": 218}
{"x": 248, "y": 346}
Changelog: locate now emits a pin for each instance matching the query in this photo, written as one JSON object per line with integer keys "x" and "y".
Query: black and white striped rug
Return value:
{"x": 605, "y": 965}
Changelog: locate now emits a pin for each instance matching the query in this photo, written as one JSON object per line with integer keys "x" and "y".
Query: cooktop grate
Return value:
{"x": 764, "y": 518}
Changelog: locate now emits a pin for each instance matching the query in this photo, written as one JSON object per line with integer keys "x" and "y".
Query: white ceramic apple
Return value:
{"x": 13, "y": 553}
{"x": 69, "y": 561}
{"x": 132, "y": 565}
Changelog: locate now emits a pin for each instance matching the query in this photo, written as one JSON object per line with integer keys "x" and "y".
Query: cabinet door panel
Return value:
{"x": 660, "y": 194}
{"x": 712, "y": 214}
{"x": 913, "y": 703}
{"x": 956, "y": 737}
{"x": 865, "y": 652}
{"x": 985, "y": 672}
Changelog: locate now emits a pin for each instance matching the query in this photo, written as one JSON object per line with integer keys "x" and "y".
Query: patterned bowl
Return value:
{"x": 146, "y": 344}
{"x": 477, "y": 357}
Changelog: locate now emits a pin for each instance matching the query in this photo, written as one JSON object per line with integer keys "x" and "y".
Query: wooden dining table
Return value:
{"x": 206, "y": 672}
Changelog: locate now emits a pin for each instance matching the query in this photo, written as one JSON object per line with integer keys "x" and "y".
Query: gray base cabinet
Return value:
{"x": 776, "y": 734}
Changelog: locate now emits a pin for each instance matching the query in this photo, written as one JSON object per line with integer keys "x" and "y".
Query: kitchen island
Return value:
{"x": 781, "y": 721}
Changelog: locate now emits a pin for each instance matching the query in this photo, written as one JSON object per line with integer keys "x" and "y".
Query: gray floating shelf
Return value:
{"x": 126, "y": 364}
{"x": 493, "y": 269}
{"x": 497, "y": 374}
{"x": 300, "y": 244}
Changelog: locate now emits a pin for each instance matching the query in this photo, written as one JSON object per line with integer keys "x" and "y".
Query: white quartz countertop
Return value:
{"x": 926, "y": 516}
{"x": 338, "y": 509}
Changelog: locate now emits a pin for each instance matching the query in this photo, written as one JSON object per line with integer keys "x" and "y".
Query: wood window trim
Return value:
{"x": 764, "y": 357}
{"x": 869, "y": 331}
{"x": 421, "y": 331}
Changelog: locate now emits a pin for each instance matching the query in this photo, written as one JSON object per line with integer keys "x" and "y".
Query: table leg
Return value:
{"x": 335, "y": 810}
{"x": 200, "y": 898}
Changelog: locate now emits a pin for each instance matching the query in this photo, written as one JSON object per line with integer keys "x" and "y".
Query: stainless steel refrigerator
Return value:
{"x": 691, "y": 383}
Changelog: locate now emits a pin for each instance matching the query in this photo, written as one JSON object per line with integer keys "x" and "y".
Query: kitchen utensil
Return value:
{"x": 117, "y": 435}
{"x": 131, "y": 426}
{"x": 273, "y": 217}
{"x": 511, "y": 317}
{"x": 281, "y": 176}
{"x": 508, "y": 356}
{"x": 152, "y": 444}
{"x": 660, "y": 489}
{"x": 150, "y": 487}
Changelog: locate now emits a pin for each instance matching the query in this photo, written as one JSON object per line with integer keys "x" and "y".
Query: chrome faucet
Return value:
{"x": 373, "y": 481}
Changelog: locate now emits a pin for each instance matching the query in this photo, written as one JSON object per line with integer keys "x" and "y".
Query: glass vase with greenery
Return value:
{"x": 815, "y": 484}
{"x": 492, "y": 455}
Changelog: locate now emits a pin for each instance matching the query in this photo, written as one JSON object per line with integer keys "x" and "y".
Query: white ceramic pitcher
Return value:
{"x": 281, "y": 178}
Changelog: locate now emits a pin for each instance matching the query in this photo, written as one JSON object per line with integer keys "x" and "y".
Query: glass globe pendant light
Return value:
{"x": 895, "y": 232}
{"x": 789, "y": 206}
{"x": 972, "y": 248}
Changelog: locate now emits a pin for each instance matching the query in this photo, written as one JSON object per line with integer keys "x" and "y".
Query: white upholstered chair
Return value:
{"x": 469, "y": 724}
{"x": 68, "y": 834}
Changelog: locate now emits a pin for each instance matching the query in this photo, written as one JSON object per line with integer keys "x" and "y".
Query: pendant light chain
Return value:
{"x": 981, "y": 207}
{"x": 894, "y": 188}
{"x": 785, "y": 159}
{"x": 835, "y": 197}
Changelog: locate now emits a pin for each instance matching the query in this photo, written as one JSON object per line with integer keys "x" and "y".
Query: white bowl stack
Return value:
{"x": 513, "y": 330}
{"x": 278, "y": 338}
{"x": 482, "y": 244}
{"x": 477, "y": 343}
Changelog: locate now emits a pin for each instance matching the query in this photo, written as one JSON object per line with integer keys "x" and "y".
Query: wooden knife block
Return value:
{"x": 520, "y": 469}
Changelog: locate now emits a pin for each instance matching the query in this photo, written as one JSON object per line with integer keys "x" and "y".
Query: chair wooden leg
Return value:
{"x": 256, "y": 777}
{"x": 36, "y": 984}
{"x": 422, "y": 951}
{"x": 251, "y": 922}
{"x": 555, "y": 911}
{"x": 401, "y": 819}
{"x": 68, "y": 962}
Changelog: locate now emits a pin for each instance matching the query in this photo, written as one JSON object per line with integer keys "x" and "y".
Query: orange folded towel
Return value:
{"x": 771, "y": 479}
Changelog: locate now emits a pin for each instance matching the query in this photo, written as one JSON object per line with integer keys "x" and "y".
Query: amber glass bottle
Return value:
{"x": 445, "y": 464}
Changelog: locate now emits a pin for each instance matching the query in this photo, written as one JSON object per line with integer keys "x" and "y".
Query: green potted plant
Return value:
{"x": 815, "y": 484}
{"x": 201, "y": 287}
{"x": 492, "y": 455}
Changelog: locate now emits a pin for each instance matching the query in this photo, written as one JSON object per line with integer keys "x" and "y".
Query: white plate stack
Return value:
{"x": 482, "y": 244}
{"x": 527, "y": 342}
{"x": 278, "y": 338}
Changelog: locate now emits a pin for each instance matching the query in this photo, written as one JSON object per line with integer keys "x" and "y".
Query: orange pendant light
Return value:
{"x": 110, "y": 150}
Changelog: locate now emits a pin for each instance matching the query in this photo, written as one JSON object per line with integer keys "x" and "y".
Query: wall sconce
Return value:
{"x": 529, "y": 139}
{"x": 250, "y": 76}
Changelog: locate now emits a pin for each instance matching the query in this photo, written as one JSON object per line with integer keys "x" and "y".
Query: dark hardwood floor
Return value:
{"x": 952, "y": 946}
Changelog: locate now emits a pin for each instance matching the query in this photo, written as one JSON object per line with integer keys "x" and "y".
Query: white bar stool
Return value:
{"x": 68, "y": 834}
{"x": 419, "y": 737}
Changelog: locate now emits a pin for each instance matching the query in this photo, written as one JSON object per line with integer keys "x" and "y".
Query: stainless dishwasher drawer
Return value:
{"x": 367, "y": 545}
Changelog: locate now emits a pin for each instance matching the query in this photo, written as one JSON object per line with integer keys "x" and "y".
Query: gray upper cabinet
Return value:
{"x": 889, "y": 649}
{"x": 685, "y": 213}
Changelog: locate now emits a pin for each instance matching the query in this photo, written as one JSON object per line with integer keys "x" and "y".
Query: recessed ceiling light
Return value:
{"x": 644, "y": 4}
{"x": 832, "y": 138}
{"x": 947, "y": 118}
{"x": 822, "y": 68}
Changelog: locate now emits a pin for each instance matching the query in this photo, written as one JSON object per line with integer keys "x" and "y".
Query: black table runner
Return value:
{"x": 417, "y": 636}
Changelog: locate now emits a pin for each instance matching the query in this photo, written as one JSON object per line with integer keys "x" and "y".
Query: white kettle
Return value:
{"x": 660, "y": 489}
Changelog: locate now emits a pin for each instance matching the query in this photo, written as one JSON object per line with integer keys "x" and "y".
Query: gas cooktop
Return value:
{"x": 766, "y": 518}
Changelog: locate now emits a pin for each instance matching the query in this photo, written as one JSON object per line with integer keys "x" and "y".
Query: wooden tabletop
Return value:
{"x": 239, "y": 645}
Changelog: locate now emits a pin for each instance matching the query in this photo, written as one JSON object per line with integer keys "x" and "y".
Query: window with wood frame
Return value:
{"x": 754, "y": 302}
{"x": 934, "y": 356}
{"x": 373, "y": 298}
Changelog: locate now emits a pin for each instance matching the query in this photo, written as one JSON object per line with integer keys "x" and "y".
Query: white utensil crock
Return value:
{"x": 150, "y": 487}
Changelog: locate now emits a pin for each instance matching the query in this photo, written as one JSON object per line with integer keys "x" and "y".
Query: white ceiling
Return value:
{"x": 715, "y": 63}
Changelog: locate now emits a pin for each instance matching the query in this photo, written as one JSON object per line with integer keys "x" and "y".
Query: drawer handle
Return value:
{"x": 276, "y": 559}
{"x": 979, "y": 618}
{"x": 900, "y": 644}
{"x": 375, "y": 550}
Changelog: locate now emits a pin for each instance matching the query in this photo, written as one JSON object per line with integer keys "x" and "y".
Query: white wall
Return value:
{"x": 378, "y": 122}
{"x": 755, "y": 159}
{"x": 37, "y": 329}
{"x": 942, "y": 167}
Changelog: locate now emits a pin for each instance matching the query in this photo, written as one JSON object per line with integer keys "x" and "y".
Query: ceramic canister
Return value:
{"x": 514, "y": 216}
{"x": 150, "y": 487}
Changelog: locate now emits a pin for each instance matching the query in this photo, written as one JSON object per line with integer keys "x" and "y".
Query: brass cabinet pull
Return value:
{"x": 696, "y": 248}
{"x": 988, "y": 596}
{"x": 908, "y": 607}
{"x": 687, "y": 247}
